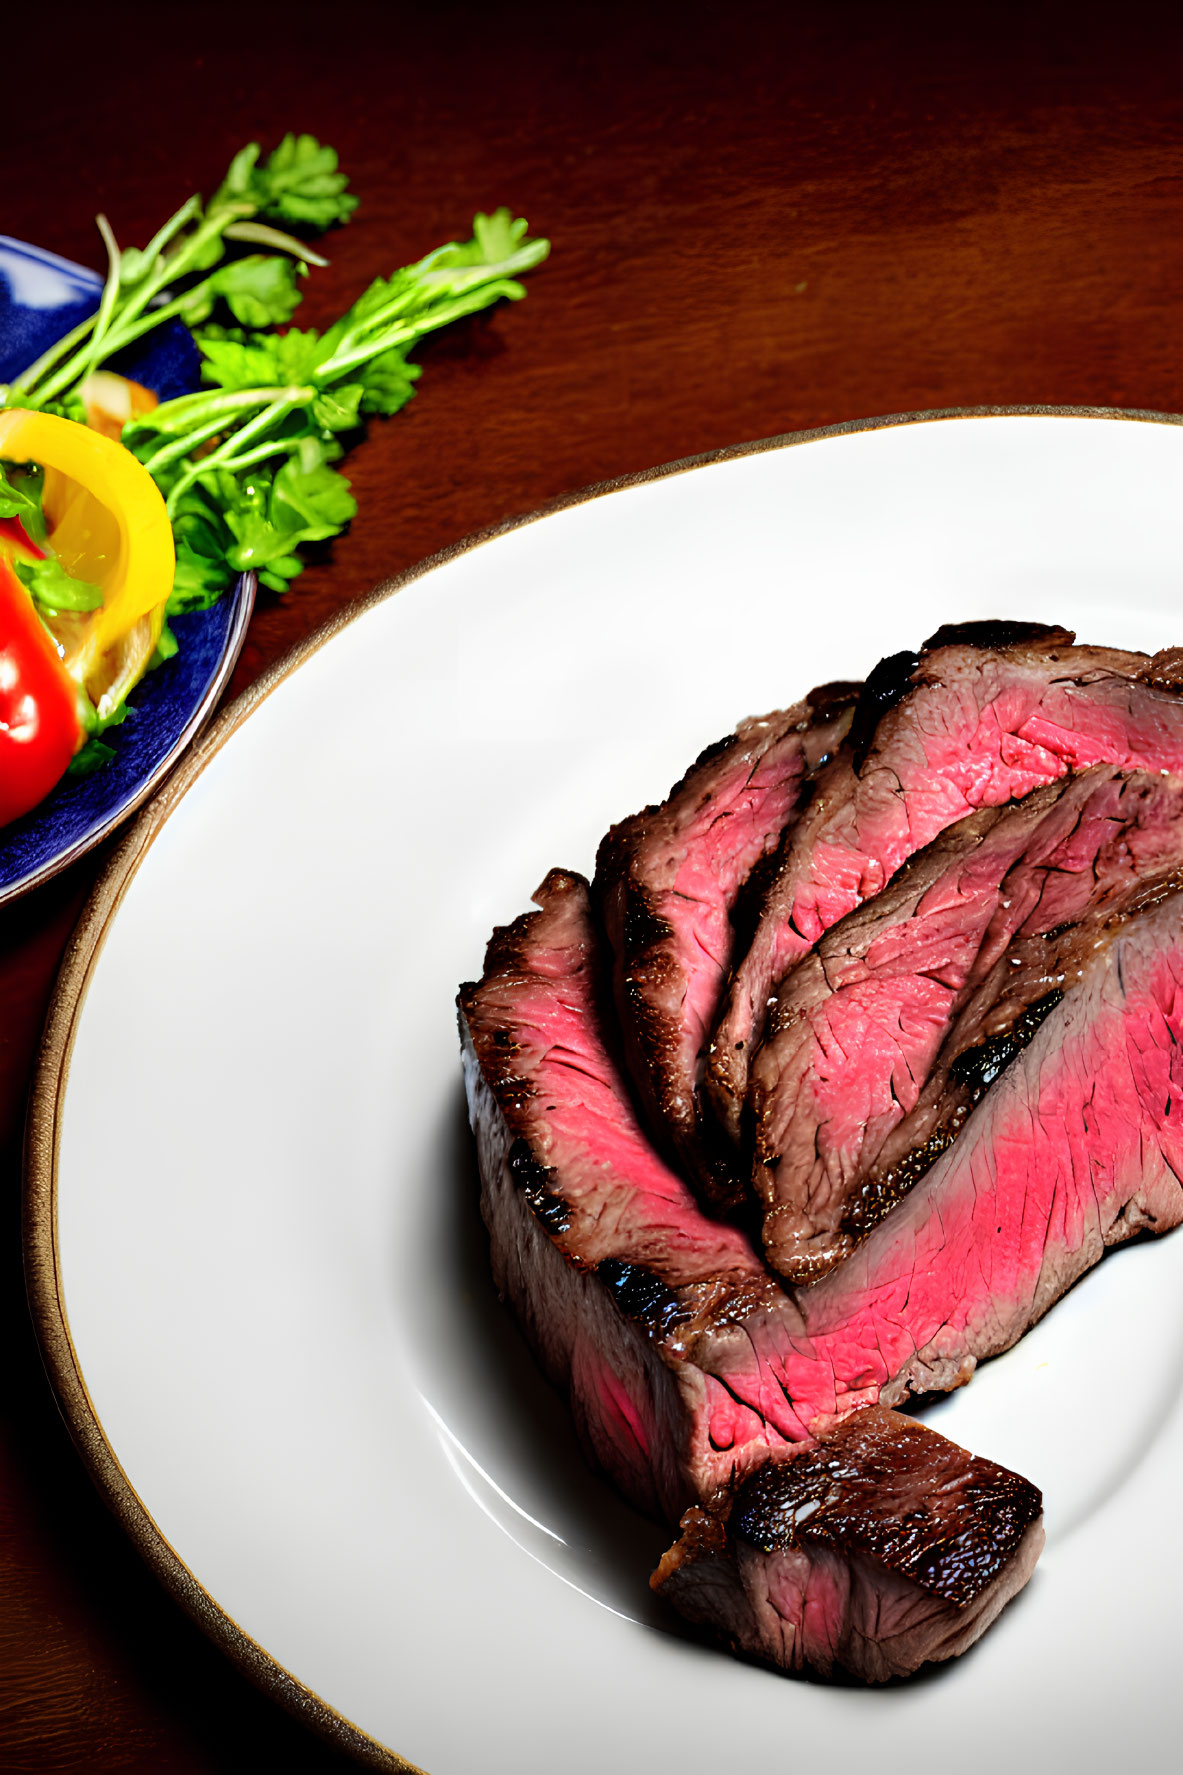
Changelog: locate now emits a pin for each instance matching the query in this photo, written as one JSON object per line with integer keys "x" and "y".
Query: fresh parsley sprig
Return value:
{"x": 183, "y": 271}
{"x": 245, "y": 465}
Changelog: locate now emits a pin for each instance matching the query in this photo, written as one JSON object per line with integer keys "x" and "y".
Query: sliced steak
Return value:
{"x": 883, "y": 1039}
{"x": 959, "y": 727}
{"x": 683, "y": 1356}
{"x": 667, "y": 881}
{"x": 671, "y": 1341}
{"x": 661, "y": 1323}
{"x": 1078, "y": 1146}
{"x": 877, "y": 1550}
{"x": 674, "y": 1343}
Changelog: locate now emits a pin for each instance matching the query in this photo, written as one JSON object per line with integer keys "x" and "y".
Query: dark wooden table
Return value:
{"x": 764, "y": 218}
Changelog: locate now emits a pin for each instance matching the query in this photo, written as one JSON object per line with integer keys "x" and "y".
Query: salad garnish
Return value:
{"x": 243, "y": 469}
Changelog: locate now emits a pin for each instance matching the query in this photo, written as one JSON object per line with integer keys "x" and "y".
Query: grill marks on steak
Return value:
{"x": 1077, "y": 1147}
{"x": 975, "y": 727}
{"x": 884, "y": 1038}
{"x": 877, "y": 1550}
{"x": 667, "y": 881}
{"x": 661, "y": 1323}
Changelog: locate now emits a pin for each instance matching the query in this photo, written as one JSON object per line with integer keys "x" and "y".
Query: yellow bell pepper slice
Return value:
{"x": 107, "y": 525}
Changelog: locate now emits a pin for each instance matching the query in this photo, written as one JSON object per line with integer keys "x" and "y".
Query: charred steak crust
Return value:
{"x": 534, "y": 1181}
{"x": 887, "y": 683}
{"x": 973, "y": 727}
{"x": 879, "y": 1549}
{"x": 666, "y": 884}
{"x": 1165, "y": 670}
{"x": 643, "y": 1297}
{"x": 906, "y": 1495}
{"x": 882, "y": 1041}
{"x": 993, "y": 634}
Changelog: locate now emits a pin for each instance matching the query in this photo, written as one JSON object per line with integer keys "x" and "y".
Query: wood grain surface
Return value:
{"x": 764, "y": 218}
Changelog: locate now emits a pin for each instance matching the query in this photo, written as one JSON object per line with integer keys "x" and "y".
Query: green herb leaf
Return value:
{"x": 259, "y": 290}
{"x": 299, "y": 182}
{"x": 239, "y": 181}
{"x": 198, "y": 582}
{"x": 236, "y": 360}
{"x": 92, "y": 756}
{"x": 71, "y": 406}
{"x": 202, "y": 539}
{"x": 135, "y": 266}
{"x": 312, "y": 499}
{"x": 52, "y": 589}
{"x": 495, "y": 238}
{"x": 278, "y": 574}
{"x": 301, "y": 504}
{"x": 337, "y": 408}
{"x": 388, "y": 381}
{"x": 166, "y": 647}
{"x": 385, "y": 292}
{"x": 94, "y": 753}
{"x": 20, "y": 497}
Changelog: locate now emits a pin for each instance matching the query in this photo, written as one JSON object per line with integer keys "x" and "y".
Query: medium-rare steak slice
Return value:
{"x": 886, "y": 1035}
{"x": 1078, "y": 1146}
{"x": 880, "y": 1549}
{"x": 661, "y": 1323}
{"x": 666, "y": 883}
{"x": 960, "y": 727}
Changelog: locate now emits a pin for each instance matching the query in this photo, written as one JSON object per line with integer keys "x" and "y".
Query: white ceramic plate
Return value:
{"x": 254, "y": 1250}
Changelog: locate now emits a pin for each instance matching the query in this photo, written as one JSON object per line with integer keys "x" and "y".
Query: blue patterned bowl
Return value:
{"x": 42, "y": 297}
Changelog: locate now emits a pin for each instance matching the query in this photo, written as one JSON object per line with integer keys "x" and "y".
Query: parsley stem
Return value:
{"x": 171, "y": 228}
{"x": 129, "y": 325}
{"x": 110, "y": 296}
{"x": 345, "y": 358}
{"x": 187, "y": 258}
{"x": 210, "y": 401}
{"x": 181, "y": 446}
{"x": 293, "y": 398}
{"x": 128, "y": 330}
{"x": 28, "y": 378}
{"x": 184, "y": 407}
{"x": 261, "y": 453}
